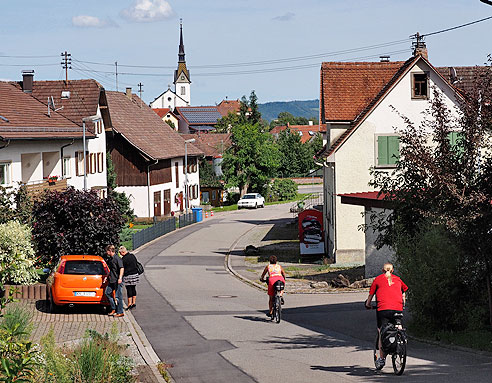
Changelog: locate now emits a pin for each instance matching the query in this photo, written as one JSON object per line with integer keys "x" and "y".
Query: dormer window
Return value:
{"x": 420, "y": 85}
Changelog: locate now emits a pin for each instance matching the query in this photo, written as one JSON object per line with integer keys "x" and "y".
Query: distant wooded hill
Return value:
{"x": 270, "y": 110}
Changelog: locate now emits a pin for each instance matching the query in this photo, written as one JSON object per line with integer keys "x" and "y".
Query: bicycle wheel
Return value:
{"x": 399, "y": 358}
{"x": 277, "y": 309}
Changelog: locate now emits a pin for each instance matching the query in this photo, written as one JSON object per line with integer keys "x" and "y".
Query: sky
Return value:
{"x": 274, "y": 47}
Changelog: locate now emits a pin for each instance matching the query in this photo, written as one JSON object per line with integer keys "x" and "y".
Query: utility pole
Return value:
{"x": 140, "y": 85}
{"x": 66, "y": 63}
{"x": 116, "y": 65}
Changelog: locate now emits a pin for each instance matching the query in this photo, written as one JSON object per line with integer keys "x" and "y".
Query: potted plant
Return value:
{"x": 52, "y": 180}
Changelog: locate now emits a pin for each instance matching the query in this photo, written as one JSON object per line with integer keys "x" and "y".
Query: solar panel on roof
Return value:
{"x": 201, "y": 115}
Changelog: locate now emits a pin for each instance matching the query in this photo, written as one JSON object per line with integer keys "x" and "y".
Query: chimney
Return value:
{"x": 310, "y": 122}
{"x": 419, "y": 47}
{"x": 129, "y": 93}
{"x": 27, "y": 80}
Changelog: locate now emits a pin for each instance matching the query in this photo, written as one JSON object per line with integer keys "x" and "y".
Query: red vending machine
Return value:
{"x": 311, "y": 238}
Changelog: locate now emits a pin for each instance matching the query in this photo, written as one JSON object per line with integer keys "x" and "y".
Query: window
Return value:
{"x": 388, "y": 150}
{"x": 420, "y": 85}
{"x": 176, "y": 165}
{"x": 92, "y": 163}
{"x": 79, "y": 163}
{"x": 4, "y": 173}
{"x": 67, "y": 173}
{"x": 100, "y": 162}
{"x": 214, "y": 195}
{"x": 183, "y": 91}
{"x": 455, "y": 139}
{"x": 99, "y": 126}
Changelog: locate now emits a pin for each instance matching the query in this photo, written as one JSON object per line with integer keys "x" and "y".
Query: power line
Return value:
{"x": 456, "y": 27}
{"x": 28, "y": 57}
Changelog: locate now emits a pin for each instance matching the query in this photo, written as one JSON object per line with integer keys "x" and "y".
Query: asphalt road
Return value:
{"x": 212, "y": 327}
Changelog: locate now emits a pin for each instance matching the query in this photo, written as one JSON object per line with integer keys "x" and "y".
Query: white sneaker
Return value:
{"x": 380, "y": 362}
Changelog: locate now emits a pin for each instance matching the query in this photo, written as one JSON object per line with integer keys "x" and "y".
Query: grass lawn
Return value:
{"x": 475, "y": 339}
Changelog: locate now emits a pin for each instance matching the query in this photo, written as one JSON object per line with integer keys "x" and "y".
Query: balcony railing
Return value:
{"x": 37, "y": 187}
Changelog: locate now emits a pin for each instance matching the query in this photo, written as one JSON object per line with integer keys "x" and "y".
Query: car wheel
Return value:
{"x": 256, "y": 206}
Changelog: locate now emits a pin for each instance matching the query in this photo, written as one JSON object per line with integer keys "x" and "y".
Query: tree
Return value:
{"x": 251, "y": 160}
{"x": 121, "y": 199}
{"x": 75, "y": 222}
{"x": 207, "y": 175}
{"x": 296, "y": 157}
{"x": 248, "y": 113}
{"x": 171, "y": 124}
{"x": 447, "y": 183}
{"x": 15, "y": 204}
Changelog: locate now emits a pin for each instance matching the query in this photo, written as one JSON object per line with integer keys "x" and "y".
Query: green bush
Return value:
{"x": 429, "y": 263}
{"x": 282, "y": 189}
{"x": 98, "y": 359}
{"x": 18, "y": 359}
{"x": 75, "y": 222}
{"x": 16, "y": 254}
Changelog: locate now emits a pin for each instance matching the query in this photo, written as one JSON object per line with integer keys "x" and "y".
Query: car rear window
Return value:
{"x": 84, "y": 268}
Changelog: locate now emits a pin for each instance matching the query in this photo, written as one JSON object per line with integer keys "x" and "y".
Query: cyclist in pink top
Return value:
{"x": 275, "y": 273}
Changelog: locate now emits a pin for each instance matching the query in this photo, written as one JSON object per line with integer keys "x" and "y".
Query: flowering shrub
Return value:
{"x": 16, "y": 254}
{"x": 75, "y": 222}
{"x": 52, "y": 178}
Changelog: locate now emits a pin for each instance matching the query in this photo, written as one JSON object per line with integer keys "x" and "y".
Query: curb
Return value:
{"x": 144, "y": 346}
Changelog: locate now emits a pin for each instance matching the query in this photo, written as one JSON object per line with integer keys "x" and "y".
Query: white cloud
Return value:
{"x": 143, "y": 11}
{"x": 288, "y": 16}
{"x": 85, "y": 21}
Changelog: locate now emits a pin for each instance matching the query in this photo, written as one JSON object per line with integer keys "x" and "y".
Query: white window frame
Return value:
{"x": 6, "y": 170}
{"x": 67, "y": 167}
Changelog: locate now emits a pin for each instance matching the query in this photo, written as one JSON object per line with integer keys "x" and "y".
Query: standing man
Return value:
{"x": 115, "y": 285}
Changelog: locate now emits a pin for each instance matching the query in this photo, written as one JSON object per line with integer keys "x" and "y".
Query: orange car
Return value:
{"x": 77, "y": 279}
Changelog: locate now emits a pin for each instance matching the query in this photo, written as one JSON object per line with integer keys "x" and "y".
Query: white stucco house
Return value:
{"x": 149, "y": 157}
{"x": 41, "y": 133}
{"x": 356, "y": 106}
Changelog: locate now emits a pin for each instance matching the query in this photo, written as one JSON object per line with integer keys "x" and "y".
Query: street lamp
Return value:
{"x": 186, "y": 173}
{"x": 84, "y": 120}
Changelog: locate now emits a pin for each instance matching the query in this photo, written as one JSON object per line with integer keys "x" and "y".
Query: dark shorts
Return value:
{"x": 385, "y": 316}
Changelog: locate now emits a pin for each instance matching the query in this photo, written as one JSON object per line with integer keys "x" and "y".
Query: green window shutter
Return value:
{"x": 452, "y": 138}
{"x": 393, "y": 149}
{"x": 382, "y": 150}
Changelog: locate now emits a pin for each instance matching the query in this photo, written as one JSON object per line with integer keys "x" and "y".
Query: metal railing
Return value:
{"x": 160, "y": 228}
{"x": 311, "y": 201}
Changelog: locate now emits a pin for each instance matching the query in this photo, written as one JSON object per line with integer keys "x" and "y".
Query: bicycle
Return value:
{"x": 399, "y": 354}
{"x": 278, "y": 286}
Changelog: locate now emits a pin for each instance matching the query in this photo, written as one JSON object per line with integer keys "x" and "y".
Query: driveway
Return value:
{"x": 212, "y": 327}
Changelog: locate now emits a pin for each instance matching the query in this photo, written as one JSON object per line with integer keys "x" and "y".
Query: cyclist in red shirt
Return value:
{"x": 275, "y": 273}
{"x": 390, "y": 297}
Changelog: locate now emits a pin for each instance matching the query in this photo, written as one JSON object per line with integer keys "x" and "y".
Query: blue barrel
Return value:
{"x": 197, "y": 213}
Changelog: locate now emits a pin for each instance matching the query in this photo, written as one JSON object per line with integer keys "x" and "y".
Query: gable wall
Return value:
{"x": 354, "y": 158}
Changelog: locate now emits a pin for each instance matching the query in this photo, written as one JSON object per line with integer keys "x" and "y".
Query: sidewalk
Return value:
{"x": 69, "y": 327}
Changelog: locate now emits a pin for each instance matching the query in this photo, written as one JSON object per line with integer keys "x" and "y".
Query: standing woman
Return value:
{"x": 130, "y": 277}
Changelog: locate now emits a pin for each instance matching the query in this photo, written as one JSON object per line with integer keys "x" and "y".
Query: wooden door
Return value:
{"x": 181, "y": 201}
{"x": 167, "y": 201}
{"x": 157, "y": 204}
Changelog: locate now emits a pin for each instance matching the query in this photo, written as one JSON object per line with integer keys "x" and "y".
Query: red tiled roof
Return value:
{"x": 212, "y": 144}
{"x": 327, "y": 151}
{"x": 24, "y": 117}
{"x": 83, "y": 101}
{"x": 161, "y": 112}
{"x": 228, "y": 106}
{"x": 347, "y": 87}
{"x": 144, "y": 129}
{"x": 304, "y": 129}
{"x": 462, "y": 77}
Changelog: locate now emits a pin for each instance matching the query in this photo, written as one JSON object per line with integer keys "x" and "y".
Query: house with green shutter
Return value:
{"x": 361, "y": 104}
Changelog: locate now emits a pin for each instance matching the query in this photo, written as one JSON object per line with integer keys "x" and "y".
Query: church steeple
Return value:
{"x": 181, "y": 54}
{"x": 181, "y": 74}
